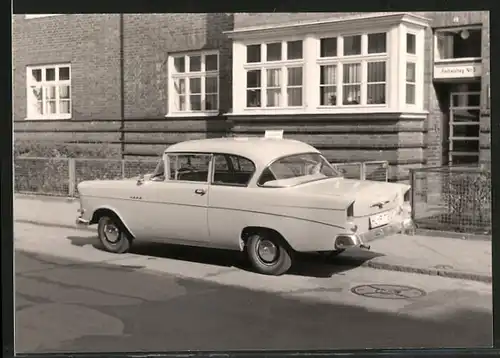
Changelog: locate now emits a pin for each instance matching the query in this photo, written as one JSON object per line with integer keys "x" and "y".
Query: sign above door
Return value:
{"x": 464, "y": 70}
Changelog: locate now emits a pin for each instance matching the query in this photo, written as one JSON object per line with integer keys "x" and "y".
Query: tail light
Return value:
{"x": 351, "y": 225}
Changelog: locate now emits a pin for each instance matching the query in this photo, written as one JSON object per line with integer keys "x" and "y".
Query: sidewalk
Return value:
{"x": 442, "y": 256}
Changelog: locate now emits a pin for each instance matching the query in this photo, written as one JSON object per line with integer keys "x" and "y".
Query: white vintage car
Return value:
{"x": 268, "y": 197}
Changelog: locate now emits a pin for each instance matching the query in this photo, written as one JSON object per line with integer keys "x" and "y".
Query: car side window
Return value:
{"x": 232, "y": 170}
{"x": 267, "y": 175}
{"x": 189, "y": 167}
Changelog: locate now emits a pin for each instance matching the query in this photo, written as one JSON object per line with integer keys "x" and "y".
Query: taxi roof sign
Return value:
{"x": 274, "y": 133}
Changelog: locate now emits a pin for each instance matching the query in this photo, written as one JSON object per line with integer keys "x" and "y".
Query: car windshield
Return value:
{"x": 298, "y": 169}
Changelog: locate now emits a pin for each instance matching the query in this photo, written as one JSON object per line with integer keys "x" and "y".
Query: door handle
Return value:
{"x": 200, "y": 192}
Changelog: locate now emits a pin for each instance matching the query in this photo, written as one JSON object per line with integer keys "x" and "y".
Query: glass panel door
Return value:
{"x": 464, "y": 128}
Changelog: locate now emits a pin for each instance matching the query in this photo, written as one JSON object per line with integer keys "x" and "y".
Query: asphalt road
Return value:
{"x": 65, "y": 305}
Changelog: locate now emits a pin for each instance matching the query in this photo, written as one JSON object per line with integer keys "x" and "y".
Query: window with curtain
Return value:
{"x": 282, "y": 84}
{"x": 294, "y": 86}
{"x": 254, "y": 88}
{"x": 328, "y": 85}
{"x": 348, "y": 81}
{"x": 376, "y": 82}
{"x": 351, "y": 84}
{"x": 195, "y": 80}
{"x": 49, "y": 92}
{"x": 273, "y": 87}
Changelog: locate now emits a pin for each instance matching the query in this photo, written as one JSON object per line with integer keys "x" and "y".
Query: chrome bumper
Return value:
{"x": 344, "y": 241}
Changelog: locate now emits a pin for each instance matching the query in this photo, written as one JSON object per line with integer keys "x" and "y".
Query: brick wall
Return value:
{"x": 150, "y": 38}
{"x": 89, "y": 42}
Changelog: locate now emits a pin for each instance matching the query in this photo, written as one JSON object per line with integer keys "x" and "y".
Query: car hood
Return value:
{"x": 369, "y": 196}
{"x": 109, "y": 188}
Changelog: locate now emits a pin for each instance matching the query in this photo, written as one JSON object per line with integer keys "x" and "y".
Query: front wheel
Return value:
{"x": 112, "y": 235}
{"x": 268, "y": 255}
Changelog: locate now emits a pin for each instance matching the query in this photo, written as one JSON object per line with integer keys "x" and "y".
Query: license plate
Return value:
{"x": 380, "y": 219}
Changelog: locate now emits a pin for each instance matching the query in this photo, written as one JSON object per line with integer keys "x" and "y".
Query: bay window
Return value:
{"x": 194, "y": 83}
{"x": 331, "y": 66}
{"x": 48, "y": 92}
{"x": 274, "y": 74}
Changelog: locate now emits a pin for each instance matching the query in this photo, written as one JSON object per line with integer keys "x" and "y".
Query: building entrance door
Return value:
{"x": 464, "y": 128}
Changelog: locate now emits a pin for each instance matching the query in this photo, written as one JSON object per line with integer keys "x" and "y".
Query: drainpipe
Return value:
{"x": 122, "y": 90}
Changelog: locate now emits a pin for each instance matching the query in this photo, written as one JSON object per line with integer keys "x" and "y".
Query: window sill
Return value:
{"x": 300, "y": 108}
{"x": 192, "y": 114}
{"x": 458, "y": 60}
{"x": 52, "y": 118}
{"x": 353, "y": 107}
{"x": 346, "y": 110}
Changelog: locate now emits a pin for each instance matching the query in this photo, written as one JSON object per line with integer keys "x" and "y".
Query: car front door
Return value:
{"x": 177, "y": 203}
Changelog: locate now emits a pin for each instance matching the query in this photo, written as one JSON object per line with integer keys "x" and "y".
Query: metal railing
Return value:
{"x": 454, "y": 199}
{"x": 373, "y": 170}
{"x": 60, "y": 176}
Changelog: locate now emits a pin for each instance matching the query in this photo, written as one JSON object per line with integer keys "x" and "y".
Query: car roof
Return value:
{"x": 260, "y": 150}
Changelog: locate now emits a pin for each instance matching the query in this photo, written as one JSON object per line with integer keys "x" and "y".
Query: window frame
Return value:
{"x": 363, "y": 59}
{"x": 187, "y": 75}
{"x": 411, "y": 83}
{"x": 30, "y": 115}
{"x": 177, "y": 154}
{"x": 411, "y": 58}
{"x": 448, "y": 29}
{"x": 212, "y": 182}
{"x": 283, "y": 65}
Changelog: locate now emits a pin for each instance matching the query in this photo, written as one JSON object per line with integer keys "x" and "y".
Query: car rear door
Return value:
{"x": 228, "y": 199}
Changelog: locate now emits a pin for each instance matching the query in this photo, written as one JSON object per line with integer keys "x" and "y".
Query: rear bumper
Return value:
{"x": 344, "y": 241}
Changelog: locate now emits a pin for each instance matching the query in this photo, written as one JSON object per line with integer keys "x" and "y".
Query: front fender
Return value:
{"x": 93, "y": 217}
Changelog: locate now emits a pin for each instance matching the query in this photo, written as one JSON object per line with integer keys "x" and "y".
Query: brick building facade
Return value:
{"x": 374, "y": 86}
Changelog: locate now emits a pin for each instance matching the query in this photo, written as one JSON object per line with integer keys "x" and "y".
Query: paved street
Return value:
{"x": 70, "y": 296}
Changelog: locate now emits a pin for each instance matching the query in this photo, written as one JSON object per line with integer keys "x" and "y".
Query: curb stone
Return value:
{"x": 423, "y": 271}
{"x": 344, "y": 260}
{"x": 453, "y": 235}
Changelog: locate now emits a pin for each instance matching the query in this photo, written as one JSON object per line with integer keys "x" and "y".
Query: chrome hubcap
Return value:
{"x": 267, "y": 251}
{"x": 111, "y": 233}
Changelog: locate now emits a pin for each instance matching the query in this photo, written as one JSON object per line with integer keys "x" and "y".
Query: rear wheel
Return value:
{"x": 112, "y": 235}
{"x": 268, "y": 254}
